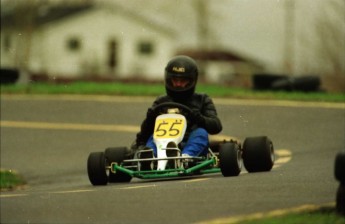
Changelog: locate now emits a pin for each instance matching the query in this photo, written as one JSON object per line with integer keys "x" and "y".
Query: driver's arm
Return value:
{"x": 147, "y": 126}
{"x": 212, "y": 123}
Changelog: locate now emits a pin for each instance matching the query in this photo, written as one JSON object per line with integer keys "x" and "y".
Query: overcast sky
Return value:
{"x": 257, "y": 29}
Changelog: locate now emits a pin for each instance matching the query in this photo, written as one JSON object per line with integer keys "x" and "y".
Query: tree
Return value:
{"x": 330, "y": 37}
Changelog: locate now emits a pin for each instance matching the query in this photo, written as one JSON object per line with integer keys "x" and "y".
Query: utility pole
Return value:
{"x": 25, "y": 20}
{"x": 202, "y": 24}
{"x": 289, "y": 46}
{"x": 202, "y": 32}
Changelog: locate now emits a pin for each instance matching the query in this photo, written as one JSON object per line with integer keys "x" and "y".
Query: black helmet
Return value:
{"x": 184, "y": 68}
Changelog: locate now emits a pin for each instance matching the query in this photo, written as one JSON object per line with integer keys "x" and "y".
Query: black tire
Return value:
{"x": 8, "y": 76}
{"x": 340, "y": 200}
{"x": 339, "y": 167}
{"x": 117, "y": 155}
{"x": 258, "y": 154}
{"x": 230, "y": 159}
{"x": 303, "y": 83}
{"x": 307, "y": 83}
{"x": 265, "y": 81}
{"x": 96, "y": 169}
{"x": 285, "y": 84}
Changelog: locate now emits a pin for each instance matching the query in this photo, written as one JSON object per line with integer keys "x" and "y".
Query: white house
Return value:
{"x": 88, "y": 40}
{"x": 106, "y": 40}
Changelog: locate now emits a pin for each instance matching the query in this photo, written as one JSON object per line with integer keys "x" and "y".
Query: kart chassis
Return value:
{"x": 201, "y": 165}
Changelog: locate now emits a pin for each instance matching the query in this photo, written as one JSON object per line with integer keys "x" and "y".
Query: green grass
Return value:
{"x": 141, "y": 89}
{"x": 10, "y": 179}
{"x": 321, "y": 216}
{"x": 86, "y": 88}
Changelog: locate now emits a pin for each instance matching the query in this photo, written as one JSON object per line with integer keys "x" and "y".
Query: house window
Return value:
{"x": 145, "y": 47}
{"x": 73, "y": 44}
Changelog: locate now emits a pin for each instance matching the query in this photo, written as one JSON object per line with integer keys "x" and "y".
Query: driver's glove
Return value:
{"x": 198, "y": 118}
{"x": 138, "y": 145}
{"x": 135, "y": 144}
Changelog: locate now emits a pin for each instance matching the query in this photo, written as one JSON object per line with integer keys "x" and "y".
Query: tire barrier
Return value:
{"x": 307, "y": 83}
{"x": 265, "y": 81}
{"x": 8, "y": 76}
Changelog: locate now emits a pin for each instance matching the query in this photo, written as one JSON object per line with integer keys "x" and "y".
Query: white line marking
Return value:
{"x": 12, "y": 195}
{"x": 72, "y": 191}
{"x": 136, "y": 187}
{"x": 69, "y": 126}
{"x": 149, "y": 99}
{"x": 195, "y": 180}
{"x": 284, "y": 156}
{"x": 280, "y": 103}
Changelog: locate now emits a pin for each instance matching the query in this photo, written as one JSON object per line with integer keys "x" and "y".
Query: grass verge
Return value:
{"x": 10, "y": 179}
{"x": 326, "y": 215}
{"x": 304, "y": 214}
{"x": 144, "y": 89}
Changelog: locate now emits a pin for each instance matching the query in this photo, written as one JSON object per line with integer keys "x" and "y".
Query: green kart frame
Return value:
{"x": 121, "y": 164}
{"x": 202, "y": 166}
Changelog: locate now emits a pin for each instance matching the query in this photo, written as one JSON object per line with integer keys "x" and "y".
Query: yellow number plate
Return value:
{"x": 168, "y": 128}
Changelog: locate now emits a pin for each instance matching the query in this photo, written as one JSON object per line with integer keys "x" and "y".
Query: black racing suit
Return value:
{"x": 198, "y": 102}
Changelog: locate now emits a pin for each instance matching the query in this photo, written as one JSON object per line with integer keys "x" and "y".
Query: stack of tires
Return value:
{"x": 306, "y": 83}
{"x": 8, "y": 76}
{"x": 339, "y": 172}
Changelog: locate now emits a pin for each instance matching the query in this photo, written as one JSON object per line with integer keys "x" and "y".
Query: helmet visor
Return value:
{"x": 179, "y": 83}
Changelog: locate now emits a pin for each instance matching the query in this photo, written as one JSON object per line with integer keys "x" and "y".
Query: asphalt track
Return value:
{"x": 48, "y": 138}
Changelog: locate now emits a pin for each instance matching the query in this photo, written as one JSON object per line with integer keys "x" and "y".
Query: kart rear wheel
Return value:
{"x": 340, "y": 200}
{"x": 230, "y": 159}
{"x": 96, "y": 168}
{"x": 339, "y": 167}
{"x": 258, "y": 154}
{"x": 116, "y": 155}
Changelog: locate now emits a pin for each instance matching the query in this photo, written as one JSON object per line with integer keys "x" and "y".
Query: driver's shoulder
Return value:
{"x": 163, "y": 99}
{"x": 201, "y": 97}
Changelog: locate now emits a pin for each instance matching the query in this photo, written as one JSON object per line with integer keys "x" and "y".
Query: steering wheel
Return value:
{"x": 163, "y": 107}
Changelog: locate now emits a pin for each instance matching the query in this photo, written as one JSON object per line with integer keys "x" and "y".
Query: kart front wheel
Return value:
{"x": 339, "y": 167}
{"x": 230, "y": 159}
{"x": 258, "y": 154}
{"x": 340, "y": 199}
{"x": 117, "y": 155}
{"x": 96, "y": 168}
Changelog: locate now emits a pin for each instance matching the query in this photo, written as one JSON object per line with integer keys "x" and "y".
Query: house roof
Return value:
{"x": 43, "y": 14}
{"x": 39, "y": 15}
{"x": 217, "y": 55}
{"x": 211, "y": 55}
{"x": 139, "y": 18}
{"x": 60, "y": 12}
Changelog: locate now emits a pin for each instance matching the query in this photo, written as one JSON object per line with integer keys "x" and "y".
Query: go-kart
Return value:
{"x": 121, "y": 164}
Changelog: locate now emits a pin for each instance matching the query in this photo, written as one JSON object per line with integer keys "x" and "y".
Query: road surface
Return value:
{"x": 48, "y": 139}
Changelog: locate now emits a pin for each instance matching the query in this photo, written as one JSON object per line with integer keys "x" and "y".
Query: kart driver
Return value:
{"x": 181, "y": 74}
